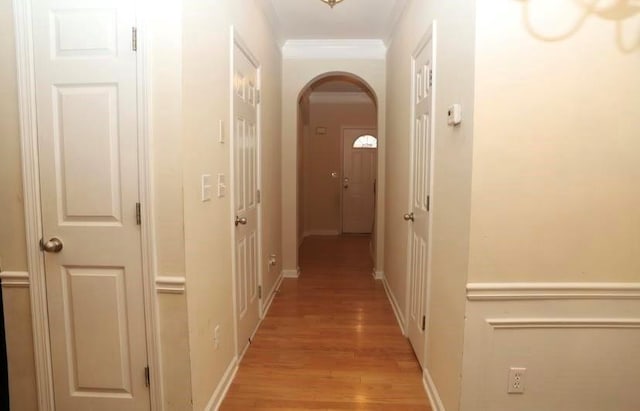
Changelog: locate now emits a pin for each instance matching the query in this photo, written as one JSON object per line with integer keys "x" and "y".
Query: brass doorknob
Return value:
{"x": 408, "y": 217}
{"x": 54, "y": 245}
{"x": 241, "y": 220}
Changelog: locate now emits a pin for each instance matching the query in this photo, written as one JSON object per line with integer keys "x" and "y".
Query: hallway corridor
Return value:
{"x": 330, "y": 340}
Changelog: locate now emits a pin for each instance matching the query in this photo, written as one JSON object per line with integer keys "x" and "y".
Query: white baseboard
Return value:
{"x": 14, "y": 279}
{"x": 291, "y": 273}
{"x": 221, "y": 390}
{"x": 271, "y": 295}
{"x": 394, "y": 304}
{"x": 378, "y": 275}
{"x": 432, "y": 392}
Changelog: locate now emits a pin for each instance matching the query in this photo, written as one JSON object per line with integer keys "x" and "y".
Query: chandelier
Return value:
{"x": 331, "y": 2}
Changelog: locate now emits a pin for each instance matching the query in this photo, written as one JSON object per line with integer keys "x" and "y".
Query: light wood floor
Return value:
{"x": 330, "y": 340}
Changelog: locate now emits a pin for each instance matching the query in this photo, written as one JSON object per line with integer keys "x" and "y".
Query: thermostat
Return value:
{"x": 454, "y": 115}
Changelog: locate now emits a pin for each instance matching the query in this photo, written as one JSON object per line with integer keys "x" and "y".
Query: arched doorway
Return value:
{"x": 337, "y": 158}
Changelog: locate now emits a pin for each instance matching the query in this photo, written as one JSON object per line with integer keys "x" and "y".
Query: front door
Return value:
{"x": 245, "y": 146}
{"x": 420, "y": 199}
{"x": 358, "y": 180}
{"x": 85, "y": 74}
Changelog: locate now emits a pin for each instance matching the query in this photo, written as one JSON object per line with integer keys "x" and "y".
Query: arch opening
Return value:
{"x": 335, "y": 109}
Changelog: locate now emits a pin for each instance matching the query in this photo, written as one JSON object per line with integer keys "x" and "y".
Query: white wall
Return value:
{"x": 297, "y": 74}
{"x": 453, "y": 80}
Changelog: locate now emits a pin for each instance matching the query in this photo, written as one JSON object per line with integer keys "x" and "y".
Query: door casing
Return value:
{"x": 33, "y": 217}
{"x": 429, "y": 36}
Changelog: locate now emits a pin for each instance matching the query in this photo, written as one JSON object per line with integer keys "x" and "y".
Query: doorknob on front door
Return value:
{"x": 408, "y": 217}
{"x": 241, "y": 220}
{"x": 345, "y": 183}
{"x": 54, "y": 245}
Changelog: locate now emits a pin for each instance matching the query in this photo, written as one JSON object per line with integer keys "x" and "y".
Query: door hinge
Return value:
{"x": 258, "y": 96}
{"x": 430, "y": 78}
{"x": 259, "y": 196}
{"x": 134, "y": 39}
{"x": 260, "y": 291}
{"x": 147, "y": 377}
{"x": 424, "y": 322}
{"x": 138, "y": 214}
{"x": 428, "y": 203}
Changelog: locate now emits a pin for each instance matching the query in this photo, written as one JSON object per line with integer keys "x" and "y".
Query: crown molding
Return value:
{"x": 369, "y": 49}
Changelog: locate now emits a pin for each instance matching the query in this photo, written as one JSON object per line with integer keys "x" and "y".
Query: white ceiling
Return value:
{"x": 351, "y": 19}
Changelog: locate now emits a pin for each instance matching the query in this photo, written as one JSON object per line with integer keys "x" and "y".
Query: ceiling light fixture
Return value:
{"x": 331, "y": 2}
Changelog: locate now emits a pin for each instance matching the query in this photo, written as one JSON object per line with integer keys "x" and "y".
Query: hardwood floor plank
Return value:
{"x": 330, "y": 341}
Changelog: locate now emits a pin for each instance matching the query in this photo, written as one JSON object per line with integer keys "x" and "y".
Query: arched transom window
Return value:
{"x": 366, "y": 141}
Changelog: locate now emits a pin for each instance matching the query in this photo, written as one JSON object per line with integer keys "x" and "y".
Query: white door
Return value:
{"x": 85, "y": 73}
{"x": 358, "y": 180}
{"x": 245, "y": 182}
{"x": 418, "y": 215}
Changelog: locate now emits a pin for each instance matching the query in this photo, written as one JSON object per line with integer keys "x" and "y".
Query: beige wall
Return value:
{"x": 323, "y": 156}
{"x": 555, "y": 189}
{"x": 13, "y": 252}
{"x": 452, "y": 178}
{"x": 206, "y": 85}
{"x": 297, "y": 74}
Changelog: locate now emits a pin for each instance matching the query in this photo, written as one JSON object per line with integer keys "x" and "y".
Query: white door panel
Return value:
{"x": 358, "y": 185}
{"x": 85, "y": 73}
{"x": 420, "y": 199}
{"x": 245, "y": 158}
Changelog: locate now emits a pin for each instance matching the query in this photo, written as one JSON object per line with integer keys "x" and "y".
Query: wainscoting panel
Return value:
{"x": 580, "y": 345}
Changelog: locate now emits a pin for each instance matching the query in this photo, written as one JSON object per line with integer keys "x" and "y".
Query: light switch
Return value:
{"x": 220, "y": 131}
{"x": 206, "y": 187}
{"x": 454, "y": 115}
{"x": 222, "y": 185}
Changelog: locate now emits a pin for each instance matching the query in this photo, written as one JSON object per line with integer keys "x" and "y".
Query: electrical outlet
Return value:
{"x": 516, "y": 380}
{"x": 216, "y": 337}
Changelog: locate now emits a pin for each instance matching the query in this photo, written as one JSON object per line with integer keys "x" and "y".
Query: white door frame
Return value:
{"x": 33, "y": 216}
{"x": 375, "y": 217}
{"x": 236, "y": 40}
{"x": 430, "y": 35}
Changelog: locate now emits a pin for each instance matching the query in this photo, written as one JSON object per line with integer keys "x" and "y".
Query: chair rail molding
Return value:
{"x": 544, "y": 291}
{"x": 171, "y": 284}
{"x": 14, "y": 279}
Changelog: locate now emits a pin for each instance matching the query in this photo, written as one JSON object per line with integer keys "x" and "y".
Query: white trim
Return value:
{"x": 271, "y": 296}
{"x": 523, "y": 323}
{"x": 223, "y": 386}
{"x": 340, "y": 97}
{"x": 321, "y": 233}
{"x": 394, "y": 304}
{"x": 31, "y": 188}
{"x": 554, "y": 291}
{"x": 14, "y": 279}
{"x": 335, "y": 49}
{"x": 378, "y": 275}
{"x": 170, "y": 285}
{"x": 432, "y": 391}
{"x": 291, "y": 273}
{"x": 146, "y": 198}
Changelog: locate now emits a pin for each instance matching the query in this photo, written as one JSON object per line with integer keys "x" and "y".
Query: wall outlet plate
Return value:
{"x": 516, "y": 380}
